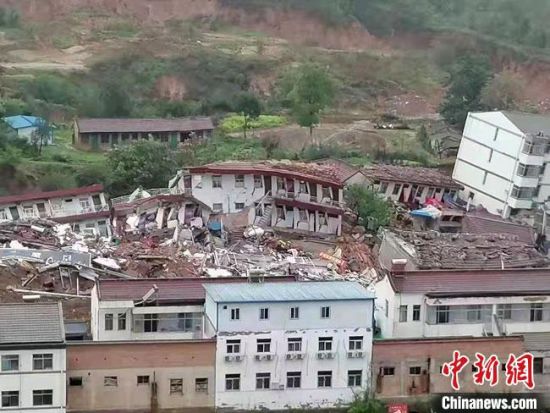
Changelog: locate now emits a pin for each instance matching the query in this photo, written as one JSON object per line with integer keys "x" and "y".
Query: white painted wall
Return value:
{"x": 26, "y": 380}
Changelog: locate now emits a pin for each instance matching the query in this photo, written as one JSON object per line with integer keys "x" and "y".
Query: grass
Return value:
{"x": 234, "y": 123}
{"x": 63, "y": 152}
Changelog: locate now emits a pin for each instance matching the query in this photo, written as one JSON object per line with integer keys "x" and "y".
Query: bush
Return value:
{"x": 52, "y": 180}
{"x": 9, "y": 17}
{"x": 93, "y": 174}
{"x": 234, "y": 123}
{"x": 372, "y": 210}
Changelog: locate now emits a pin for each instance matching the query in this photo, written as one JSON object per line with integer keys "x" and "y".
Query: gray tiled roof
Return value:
{"x": 31, "y": 323}
{"x": 529, "y": 122}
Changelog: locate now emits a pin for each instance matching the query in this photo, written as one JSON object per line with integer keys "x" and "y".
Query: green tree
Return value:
{"x": 366, "y": 404}
{"x": 372, "y": 210}
{"x": 424, "y": 139}
{"x": 309, "y": 90}
{"x": 145, "y": 163}
{"x": 249, "y": 107}
{"x": 468, "y": 79}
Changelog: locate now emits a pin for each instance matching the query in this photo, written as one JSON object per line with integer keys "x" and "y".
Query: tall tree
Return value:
{"x": 504, "y": 92}
{"x": 468, "y": 79}
{"x": 249, "y": 107}
{"x": 312, "y": 90}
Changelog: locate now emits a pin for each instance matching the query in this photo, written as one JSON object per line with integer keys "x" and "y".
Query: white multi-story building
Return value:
{"x": 284, "y": 195}
{"x": 501, "y": 161}
{"x": 473, "y": 303}
{"x": 85, "y": 208}
{"x": 290, "y": 345}
{"x": 32, "y": 357}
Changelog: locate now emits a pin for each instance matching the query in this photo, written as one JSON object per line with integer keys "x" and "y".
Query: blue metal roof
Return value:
{"x": 22, "y": 122}
{"x": 284, "y": 292}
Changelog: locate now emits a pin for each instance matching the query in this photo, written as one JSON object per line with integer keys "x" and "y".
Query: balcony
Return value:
{"x": 67, "y": 212}
{"x": 307, "y": 198}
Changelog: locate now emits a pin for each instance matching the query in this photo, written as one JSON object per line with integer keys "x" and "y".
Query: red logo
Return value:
{"x": 486, "y": 369}
{"x": 520, "y": 370}
{"x": 455, "y": 366}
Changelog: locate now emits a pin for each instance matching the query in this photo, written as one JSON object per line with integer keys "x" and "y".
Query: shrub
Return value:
{"x": 234, "y": 123}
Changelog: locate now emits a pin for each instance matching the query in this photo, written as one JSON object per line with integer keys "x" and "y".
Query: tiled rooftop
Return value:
{"x": 31, "y": 323}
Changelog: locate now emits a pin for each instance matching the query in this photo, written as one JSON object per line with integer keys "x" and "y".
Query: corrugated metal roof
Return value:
{"x": 103, "y": 125}
{"x": 298, "y": 291}
{"x": 31, "y": 323}
{"x": 21, "y": 121}
{"x": 170, "y": 290}
{"x": 474, "y": 283}
{"x": 537, "y": 341}
{"x": 92, "y": 189}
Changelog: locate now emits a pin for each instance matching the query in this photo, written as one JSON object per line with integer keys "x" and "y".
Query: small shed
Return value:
{"x": 28, "y": 127}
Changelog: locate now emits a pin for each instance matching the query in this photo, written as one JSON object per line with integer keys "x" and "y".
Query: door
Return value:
{"x": 267, "y": 183}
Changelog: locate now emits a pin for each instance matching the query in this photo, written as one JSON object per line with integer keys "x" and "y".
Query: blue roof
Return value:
{"x": 284, "y": 292}
{"x": 22, "y": 122}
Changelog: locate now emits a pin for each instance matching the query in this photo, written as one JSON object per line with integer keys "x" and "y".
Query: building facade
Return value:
{"x": 283, "y": 195}
{"x": 290, "y": 345}
{"x": 85, "y": 208}
{"x": 29, "y": 129}
{"x": 463, "y": 303}
{"x": 105, "y": 133}
{"x": 175, "y": 376}
{"x": 410, "y": 184}
{"x": 32, "y": 357}
{"x": 502, "y": 161}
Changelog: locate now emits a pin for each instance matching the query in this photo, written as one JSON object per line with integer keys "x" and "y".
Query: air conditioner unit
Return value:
{"x": 239, "y": 358}
{"x": 228, "y": 358}
{"x": 258, "y": 357}
{"x": 280, "y": 387}
{"x": 330, "y": 355}
{"x": 321, "y": 355}
{"x": 351, "y": 354}
{"x": 359, "y": 354}
{"x": 300, "y": 356}
{"x": 289, "y": 356}
{"x": 269, "y": 357}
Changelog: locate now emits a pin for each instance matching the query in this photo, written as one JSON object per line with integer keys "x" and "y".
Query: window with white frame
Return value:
{"x": 295, "y": 344}
{"x": 264, "y": 313}
{"x": 235, "y": 313}
{"x": 42, "y": 361}
{"x": 324, "y": 378}
{"x": 42, "y": 397}
{"x": 356, "y": 343}
{"x": 10, "y": 362}
{"x": 402, "y": 313}
{"x": 325, "y": 312}
{"x": 85, "y": 204}
{"x": 176, "y": 386}
{"x": 354, "y": 378}
{"x": 303, "y": 189}
{"x": 523, "y": 192}
{"x": 263, "y": 345}
{"x": 232, "y": 382}
{"x": 109, "y": 322}
{"x": 294, "y": 379}
{"x": 10, "y": 398}
{"x": 216, "y": 181}
{"x": 416, "y": 313}
{"x": 201, "y": 385}
{"x": 415, "y": 370}
{"x": 294, "y": 313}
{"x": 233, "y": 346}
{"x": 239, "y": 206}
{"x": 239, "y": 181}
{"x": 121, "y": 321}
{"x": 29, "y": 212}
{"x": 258, "y": 181}
{"x": 217, "y": 207}
{"x": 325, "y": 343}
{"x": 262, "y": 381}
{"x": 142, "y": 380}
{"x": 110, "y": 381}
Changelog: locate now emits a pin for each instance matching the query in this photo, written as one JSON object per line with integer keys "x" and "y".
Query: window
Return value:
{"x": 3, "y": 214}
{"x": 473, "y": 313}
{"x": 75, "y": 381}
{"x": 14, "y": 213}
{"x": 325, "y": 312}
{"x": 232, "y": 381}
{"x": 121, "y": 321}
{"x": 10, "y": 362}
{"x": 84, "y": 204}
{"x": 263, "y": 345}
{"x": 383, "y": 187}
{"x": 504, "y": 311}
{"x": 280, "y": 183}
{"x": 280, "y": 213}
{"x": 258, "y": 181}
{"x": 536, "y": 312}
{"x": 150, "y": 323}
{"x": 142, "y": 380}
{"x": 216, "y": 181}
{"x": 217, "y": 207}
{"x": 239, "y": 181}
{"x": 396, "y": 189}
{"x": 402, "y": 313}
{"x": 108, "y": 322}
{"x": 295, "y": 344}
{"x": 303, "y": 187}
{"x": 233, "y": 346}
{"x": 523, "y": 193}
{"x": 10, "y": 399}
{"x": 325, "y": 343}
{"x": 239, "y": 206}
{"x": 430, "y": 193}
{"x": 442, "y": 314}
{"x": 262, "y": 380}
{"x": 324, "y": 379}
{"x": 416, "y": 313}
{"x": 42, "y": 361}
{"x": 42, "y": 397}
{"x": 201, "y": 385}
{"x": 264, "y": 313}
{"x": 538, "y": 365}
{"x": 415, "y": 370}
{"x": 303, "y": 215}
{"x": 28, "y": 211}
{"x": 356, "y": 343}
{"x": 235, "y": 314}
{"x": 294, "y": 313}
{"x": 293, "y": 379}
{"x": 110, "y": 381}
{"x": 388, "y": 371}
{"x": 354, "y": 378}
{"x": 176, "y": 386}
